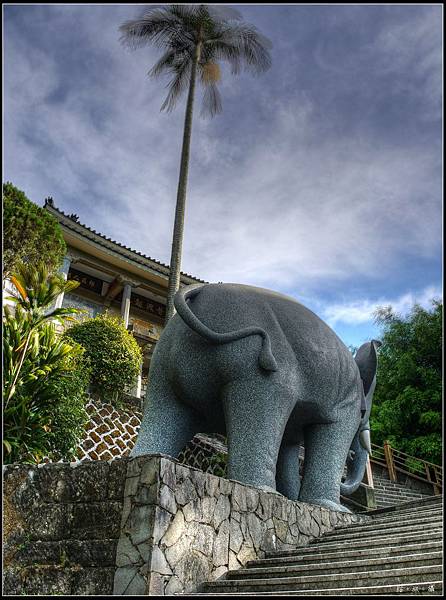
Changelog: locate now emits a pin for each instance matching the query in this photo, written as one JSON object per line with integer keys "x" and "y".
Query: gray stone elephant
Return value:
{"x": 265, "y": 371}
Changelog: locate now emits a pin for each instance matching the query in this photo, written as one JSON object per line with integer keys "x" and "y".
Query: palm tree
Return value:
{"x": 194, "y": 38}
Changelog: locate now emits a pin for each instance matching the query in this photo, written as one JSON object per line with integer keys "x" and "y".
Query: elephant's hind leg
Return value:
{"x": 326, "y": 448}
{"x": 167, "y": 424}
{"x": 255, "y": 427}
{"x": 287, "y": 473}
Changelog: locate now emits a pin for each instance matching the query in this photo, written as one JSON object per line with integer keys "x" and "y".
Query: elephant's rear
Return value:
{"x": 293, "y": 329}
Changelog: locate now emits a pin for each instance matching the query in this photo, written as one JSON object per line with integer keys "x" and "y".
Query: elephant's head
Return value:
{"x": 366, "y": 359}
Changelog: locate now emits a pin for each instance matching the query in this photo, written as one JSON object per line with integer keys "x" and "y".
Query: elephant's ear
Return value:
{"x": 366, "y": 358}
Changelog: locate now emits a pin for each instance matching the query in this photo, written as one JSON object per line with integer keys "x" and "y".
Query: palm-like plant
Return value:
{"x": 36, "y": 289}
{"x": 194, "y": 38}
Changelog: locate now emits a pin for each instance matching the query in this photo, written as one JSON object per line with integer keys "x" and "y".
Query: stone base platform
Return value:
{"x": 141, "y": 526}
{"x": 181, "y": 527}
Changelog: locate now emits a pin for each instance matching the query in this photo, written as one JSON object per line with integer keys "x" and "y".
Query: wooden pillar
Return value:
{"x": 369, "y": 473}
{"x": 389, "y": 461}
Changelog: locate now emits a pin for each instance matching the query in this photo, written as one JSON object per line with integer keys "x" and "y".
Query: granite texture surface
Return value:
{"x": 265, "y": 371}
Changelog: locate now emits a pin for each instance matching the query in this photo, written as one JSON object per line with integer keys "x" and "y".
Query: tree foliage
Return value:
{"x": 217, "y": 32}
{"x": 407, "y": 399}
{"x": 114, "y": 354}
{"x": 30, "y": 233}
{"x": 44, "y": 377}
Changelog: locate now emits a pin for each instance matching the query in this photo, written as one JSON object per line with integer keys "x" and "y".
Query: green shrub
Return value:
{"x": 114, "y": 354}
{"x": 67, "y": 416}
{"x": 30, "y": 233}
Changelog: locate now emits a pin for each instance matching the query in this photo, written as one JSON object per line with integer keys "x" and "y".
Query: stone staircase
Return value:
{"x": 398, "y": 550}
{"x": 389, "y": 493}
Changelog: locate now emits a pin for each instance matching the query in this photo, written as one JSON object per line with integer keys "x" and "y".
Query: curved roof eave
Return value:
{"x": 99, "y": 238}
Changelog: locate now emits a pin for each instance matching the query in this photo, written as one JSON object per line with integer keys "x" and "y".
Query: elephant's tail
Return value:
{"x": 266, "y": 358}
{"x": 356, "y": 465}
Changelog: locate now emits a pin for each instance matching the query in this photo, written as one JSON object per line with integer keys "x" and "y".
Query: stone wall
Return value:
{"x": 147, "y": 525}
{"x": 61, "y": 524}
{"x": 181, "y": 527}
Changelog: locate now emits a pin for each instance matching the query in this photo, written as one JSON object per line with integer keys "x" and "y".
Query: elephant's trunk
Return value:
{"x": 356, "y": 465}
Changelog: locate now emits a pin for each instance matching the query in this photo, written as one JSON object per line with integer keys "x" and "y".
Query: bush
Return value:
{"x": 30, "y": 233}
{"x": 113, "y": 352}
{"x": 67, "y": 416}
{"x": 44, "y": 376}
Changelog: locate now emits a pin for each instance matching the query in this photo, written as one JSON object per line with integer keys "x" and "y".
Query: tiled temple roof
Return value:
{"x": 72, "y": 222}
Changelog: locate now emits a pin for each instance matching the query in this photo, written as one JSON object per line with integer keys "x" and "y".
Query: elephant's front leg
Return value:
{"x": 256, "y": 414}
{"x": 326, "y": 448}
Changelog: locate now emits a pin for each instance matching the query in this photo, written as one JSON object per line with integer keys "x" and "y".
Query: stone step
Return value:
{"x": 434, "y": 535}
{"x": 58, "y": 580}
{"x": 378, "y": 525}
{"x": 382, "y": 488}
{"x": 384, "y": 494}
{"x": 90, "y": 553}
{"x": 407, "y": 515}
{"x": 345, "y": 534}
{"x": 411, "y": 575}
{"x": 348, "y": 566}
{"x": 386, "y": 481}
{"x": 424, "y": 588}
{"x": 397, "y": 486}
{"x": 409, "y": 508}
{"x": 402, "y": 520}
{"x": 310, "y": 554}
{"x": 387, "y": 503}
{"x": 415, "y": 507}
{"x": 395, "y": 498}
{"x": 397, "y": 495}
{"x": 421, "y": 504}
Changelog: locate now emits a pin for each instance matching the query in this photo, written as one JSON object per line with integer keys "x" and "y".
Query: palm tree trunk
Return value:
{"x": 177, "y": 241}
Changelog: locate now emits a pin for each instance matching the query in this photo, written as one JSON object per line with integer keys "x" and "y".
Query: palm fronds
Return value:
{"x": 179, "y": 28}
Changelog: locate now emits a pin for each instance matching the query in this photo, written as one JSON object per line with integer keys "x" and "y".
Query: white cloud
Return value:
{"x": 281, "y": 203}
{"x": 361, "y": 311}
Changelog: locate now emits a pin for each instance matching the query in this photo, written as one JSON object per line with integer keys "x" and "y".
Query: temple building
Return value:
{"x": 116, "y": 278}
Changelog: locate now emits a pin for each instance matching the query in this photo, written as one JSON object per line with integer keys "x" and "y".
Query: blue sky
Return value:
{"x": 321, "y": 178}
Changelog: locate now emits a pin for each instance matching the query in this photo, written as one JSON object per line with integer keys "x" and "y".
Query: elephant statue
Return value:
{"x": 265, "y": 371}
